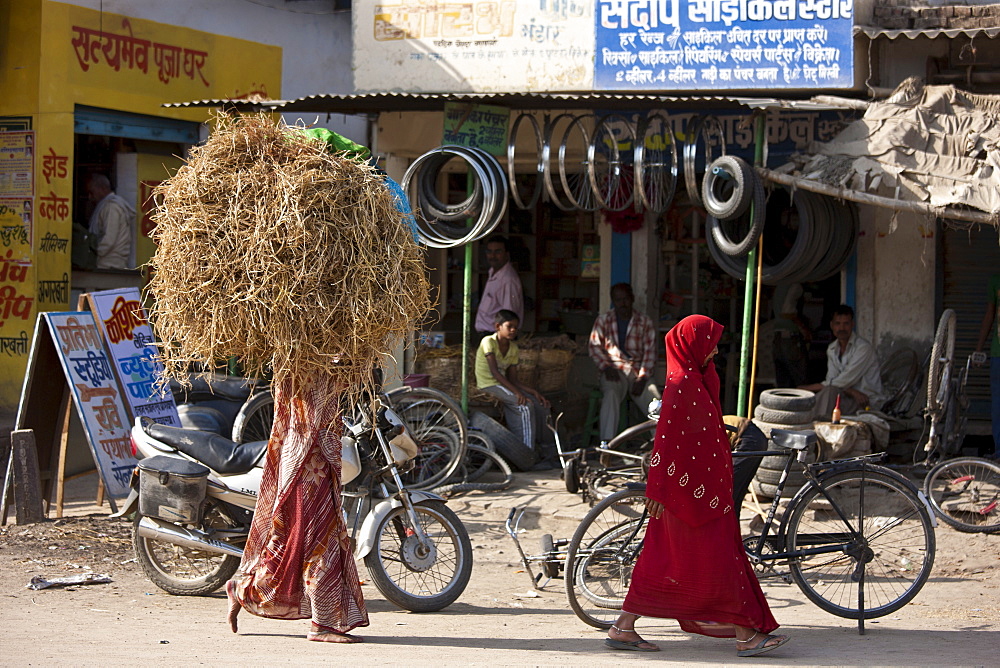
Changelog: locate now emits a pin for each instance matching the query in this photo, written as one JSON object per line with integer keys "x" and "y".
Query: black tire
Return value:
{"x": 764, "y": 489}
{"x": 748, "y": 225}
{"x": 898, "y": 543}
{"x": 409, "y": 578}
{"x": 771, "y": 477}
{"x": 509, "y": 446}
{"x": 181, "y": 571}
{"x": 965, "y": 493}
{"x": 255, "y": 419}
{"x": 942, "y": 353}
{"x": 475, "y": 465}
{"x": 432, "y": 207}
{"x": 571, "y": 475}
{"x": 776, "y": 416}
{"x": 550, "y": 567}
{"x": 728, "y": 198}
{"x": 601, "y": 555}
{"x": 788, "y": 399}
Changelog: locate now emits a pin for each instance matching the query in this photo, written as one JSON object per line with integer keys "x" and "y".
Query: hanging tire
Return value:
{"x": 781, "y": 417}
{"x": 727, "y": 197}
{"x": 508, "y": 446}
{"x": 788, "y": 399}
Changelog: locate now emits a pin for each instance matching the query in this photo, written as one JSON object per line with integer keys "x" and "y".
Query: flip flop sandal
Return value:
{"x": 762, "y": 646}
{"x": 632, "y": 646}
{"x": 629, "y": 645}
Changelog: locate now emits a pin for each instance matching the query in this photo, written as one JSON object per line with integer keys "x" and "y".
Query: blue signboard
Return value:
{"x": 723, "y": 44}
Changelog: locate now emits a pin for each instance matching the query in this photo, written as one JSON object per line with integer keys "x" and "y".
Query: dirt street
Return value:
{"x": 498, "y": 621}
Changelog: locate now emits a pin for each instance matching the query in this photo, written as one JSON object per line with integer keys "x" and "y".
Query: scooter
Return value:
{"x": 194, "y": 493}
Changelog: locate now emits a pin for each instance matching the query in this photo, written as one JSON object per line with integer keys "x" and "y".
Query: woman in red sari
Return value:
{"x": 692, "y": 567}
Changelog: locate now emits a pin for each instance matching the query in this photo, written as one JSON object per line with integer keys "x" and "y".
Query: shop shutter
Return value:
{"x": 94, "y": 121}
{"x": 970, "y": 257}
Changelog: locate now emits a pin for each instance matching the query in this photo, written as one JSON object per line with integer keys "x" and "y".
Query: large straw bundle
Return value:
{"x": 288, "y": 258}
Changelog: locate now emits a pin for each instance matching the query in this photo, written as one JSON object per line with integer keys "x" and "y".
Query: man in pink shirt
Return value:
{"x": 503, "y": 287}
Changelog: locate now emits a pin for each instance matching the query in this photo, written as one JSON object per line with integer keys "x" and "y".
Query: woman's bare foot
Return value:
{"x": 323, "y": 634}
{"x": 234, "y": 604}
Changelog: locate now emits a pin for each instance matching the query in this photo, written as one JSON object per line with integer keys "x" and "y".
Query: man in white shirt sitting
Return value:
{"x": 852, "y": 371}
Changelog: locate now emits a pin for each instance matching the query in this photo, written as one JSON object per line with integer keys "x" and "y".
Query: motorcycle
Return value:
{"x": 194, "y": 493}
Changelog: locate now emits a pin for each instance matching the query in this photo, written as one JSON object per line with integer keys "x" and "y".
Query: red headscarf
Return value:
{"x": 691, "y": 469}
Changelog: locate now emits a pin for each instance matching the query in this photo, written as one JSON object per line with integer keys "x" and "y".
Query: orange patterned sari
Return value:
{"x": 298, "y": 562}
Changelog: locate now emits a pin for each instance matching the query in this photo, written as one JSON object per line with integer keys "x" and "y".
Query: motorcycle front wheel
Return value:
{"x": 416, "y": 577}
{"x": 181, "y": 571}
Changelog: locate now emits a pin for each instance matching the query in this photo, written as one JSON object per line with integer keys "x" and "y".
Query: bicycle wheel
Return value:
{"x": 439, "y": 427}
{"x": 573, "y": 171}
{"x": 965, "y": 493}
{"x": 942, "y": 353}
{"x": 636, "y": 440}
{"x": 610, "y": 178}
{"x": 534, "y": 178}
{"x": 655, "y": 159}
{"x": 255, "y": 419}
{"x": 890, "y": 556}
{"x": 553, "y": 164}
{"x": 609, "y": 481}
{"x": 601, "y": 554}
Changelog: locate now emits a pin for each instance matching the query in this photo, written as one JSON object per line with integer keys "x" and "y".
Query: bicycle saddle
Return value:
{"x": 793, "y": 440}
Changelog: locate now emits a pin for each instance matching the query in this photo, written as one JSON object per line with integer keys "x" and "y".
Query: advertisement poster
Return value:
{"x": 477, "y": 126}
{"x": 17, "y": 159}
{"x": 129, "y": 339}
{"x": 95, "y": 394}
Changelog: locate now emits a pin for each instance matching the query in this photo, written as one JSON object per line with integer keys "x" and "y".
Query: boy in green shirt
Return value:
{"x": 525, "y": 409}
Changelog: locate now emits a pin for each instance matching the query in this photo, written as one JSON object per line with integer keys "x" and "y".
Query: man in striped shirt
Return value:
{"x": 623, "y": 346}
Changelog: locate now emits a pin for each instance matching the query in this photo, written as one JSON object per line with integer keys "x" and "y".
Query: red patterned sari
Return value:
{"x": 298, "y": 562}
{"x": 692, "y": 567}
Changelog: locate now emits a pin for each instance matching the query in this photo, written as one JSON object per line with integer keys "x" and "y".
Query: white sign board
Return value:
{"x": 95, "y": 393}
{"x": 129, "y": 340}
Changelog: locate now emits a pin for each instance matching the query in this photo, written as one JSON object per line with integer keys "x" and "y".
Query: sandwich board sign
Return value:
{"x": 128, "y": 339}
{"x": 74, "y": 339}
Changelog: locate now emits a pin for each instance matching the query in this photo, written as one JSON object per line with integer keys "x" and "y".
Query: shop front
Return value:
{"x": 83, "y": 95}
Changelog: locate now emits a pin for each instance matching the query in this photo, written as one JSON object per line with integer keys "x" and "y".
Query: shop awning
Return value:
{"x": 874, "y": 32}
{"x": 373, "y": 103}
{"x": 934, "y": 149}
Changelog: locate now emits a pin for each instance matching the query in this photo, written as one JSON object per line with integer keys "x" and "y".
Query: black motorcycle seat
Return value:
{"x": 213, "y": 450}
{"x": 217, "y": 386}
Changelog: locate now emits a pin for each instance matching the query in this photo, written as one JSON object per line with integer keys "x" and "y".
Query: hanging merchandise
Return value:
{"x": 443, "y": 225}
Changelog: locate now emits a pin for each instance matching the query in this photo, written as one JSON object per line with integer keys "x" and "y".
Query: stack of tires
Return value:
{"x": 782, "y": 408}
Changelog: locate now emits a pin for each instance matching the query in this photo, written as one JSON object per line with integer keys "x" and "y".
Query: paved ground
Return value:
{"x": 498, "y": 621}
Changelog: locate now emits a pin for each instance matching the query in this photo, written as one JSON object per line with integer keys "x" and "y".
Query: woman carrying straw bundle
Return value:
{"x": 283, "y": 249}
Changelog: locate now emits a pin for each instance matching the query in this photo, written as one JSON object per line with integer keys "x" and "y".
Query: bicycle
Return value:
{"x": 963, "y": 491}
{"x": 598, "y": 472}
{"x": 435, "y": 420}
{"x": 857, "y": 539}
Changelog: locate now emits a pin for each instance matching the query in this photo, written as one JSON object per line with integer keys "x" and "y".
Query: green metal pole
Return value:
{"x": 466, "y": 325}
{"x": 760, "y": 138}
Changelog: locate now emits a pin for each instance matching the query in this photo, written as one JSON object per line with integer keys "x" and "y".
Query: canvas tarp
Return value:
{"x": 934, "y": 145}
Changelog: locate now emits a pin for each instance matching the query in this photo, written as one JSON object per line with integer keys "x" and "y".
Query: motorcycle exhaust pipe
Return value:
{"x": 155, "y": 529}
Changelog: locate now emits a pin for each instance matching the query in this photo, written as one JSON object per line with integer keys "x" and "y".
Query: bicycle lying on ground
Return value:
{"x": 963, "y": 491}
{"x": 857, "y": 539}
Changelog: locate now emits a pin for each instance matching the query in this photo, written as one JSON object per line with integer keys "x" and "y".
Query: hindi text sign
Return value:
{"x": 95, "y": 393}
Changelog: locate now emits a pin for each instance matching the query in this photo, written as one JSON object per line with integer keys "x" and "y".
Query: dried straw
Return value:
{"x": 287, "y": 258}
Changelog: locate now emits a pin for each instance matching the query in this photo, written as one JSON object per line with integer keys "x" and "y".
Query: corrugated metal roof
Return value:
{"x": 913, "y": 33}
{"x": 371, "y": 103}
